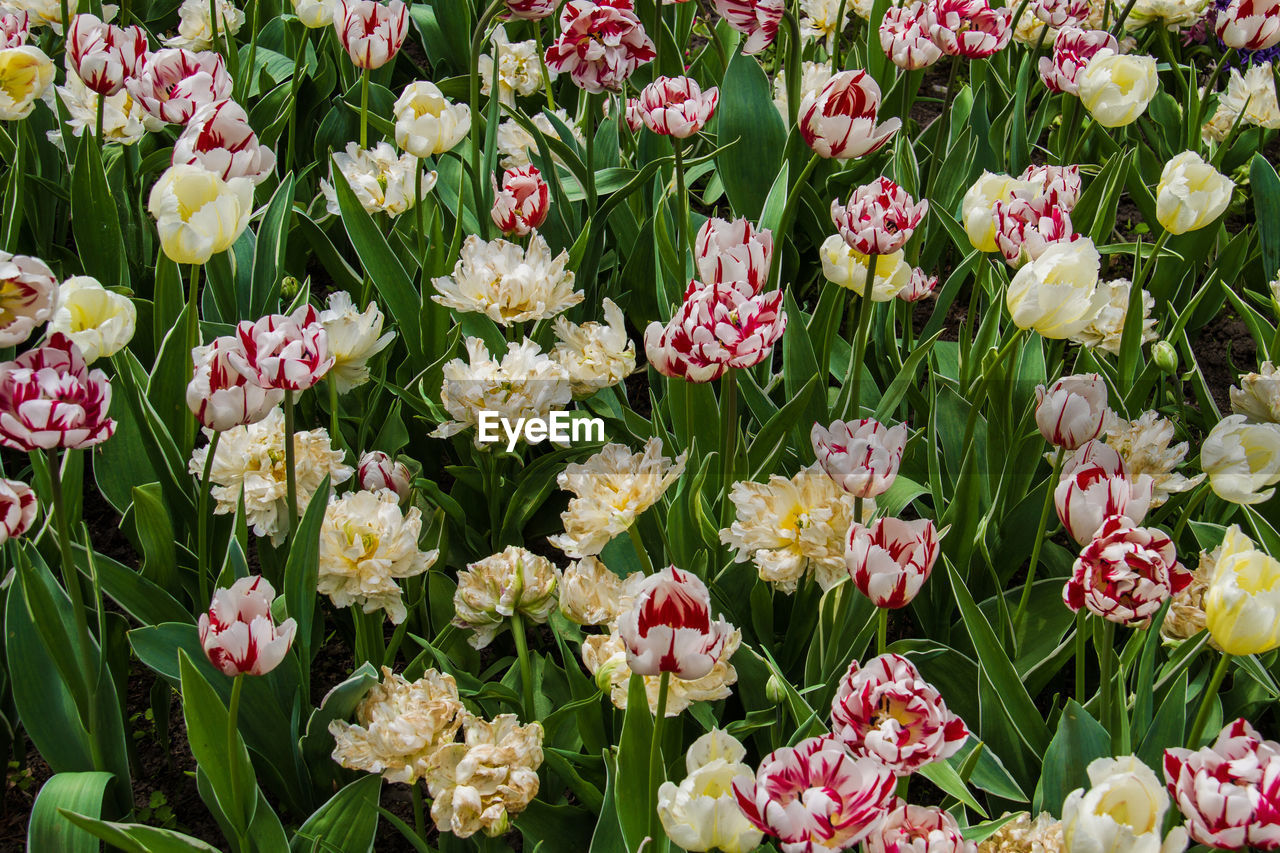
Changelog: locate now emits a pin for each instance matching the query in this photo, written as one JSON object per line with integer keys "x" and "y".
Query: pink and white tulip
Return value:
{"x": 175, "y": 82}
{"x": 522, "y": 203}
{"x": 1095, "y": 486}
{"x": 370, "y": 32}
{"x": 18, "y": 506}
{"x": 376, "y": 470}
{"x": 285, "y": 351}
{"x": 600, "y": 45}
{"x": 50, "y": 399}
{"x": 1024, "y": 229}
{"x": 922, "y": 286}
{"x": 1126, "y": 573}
{"x": 676, "y": 106}
{"x": 839, "y": 121}
{"x": 1058, "y": 186}
{"x": 219, "y": 139}
{"x": 532, "y": 10}
{"x": 862, "y": 456}
{"x": 14, "y": 29}
{"x": 734, "y": 251}
{"x": 919, "y": 829}
{"x": 970, "y": 28}
{"x": 669, "y": 627}
{"x": 219, "y": 395}
{"x": 890, "y": 559}
{"x": 1061, "y": 13}
{"x": 1072, "y": 50}
{"x": 1249, "y": 24}
{"x": 238, "y": 634}
{"x": 28, "y": 296}
{"x": 756, "y": 19}
{"x": 905, "y": 39}
{"x": 104, "y": 56}
{"x": 718, "y": 327}
{"x": 879, "y": 218}
{"x": 1072, "y": 410}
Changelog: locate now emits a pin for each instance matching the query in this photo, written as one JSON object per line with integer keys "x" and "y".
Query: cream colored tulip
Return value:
{"x": 100, "y": 322}
{"x": 1242, "y": 603}
{"x": 976, "y": 207}
{"x": 198, "y": 214}
{"x": 1123, "y": 811}
{"x": 314, "y": 13}
{"x": 848, "y": 269}
{"x": 1242, "y": 459}
{"x": 25, "y": 75}
{"x": 428, "y": 123}
{"x": 1116, "y": 88}
{"x": 701, "y": 813}
{"x": 1057, "y": 294}
{"x": 1191, "y": 194}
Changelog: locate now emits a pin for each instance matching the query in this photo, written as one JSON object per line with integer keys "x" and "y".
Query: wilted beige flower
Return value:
{"x": 508, "y": 283}
{"x": 591, "y": 594}
{"x": 787, "y": 526}
{"x": 381, "y": 179}
{"x": 1258, "y": 397}
{"x": 605, "y": 656}
{"x": 596, "y": 355}
{"x": 250, "y": 459}
{"x": 194, "y": 29}
{"x": 481, "y": 784}
{"x": 354, "y": 338}
{"x": 813, "y": 76}
{"x": 1251, "y": 97}
{"x": 1186, "y": 616}
{"x": 123, "y": 119}
{"x": 1023, "y": 835}
{"x": 611, "y": 490}
{"x": 515, "y": 143}
{"x": 519, "y": 71}
{"x": 365, "y": 544}
{"x": 1172, "y": 14}
{"x": 1144, "y": 446}
{"x": 525, "y": 384}
{"x": 1106, "y": 330}
{"x": 399, "y": 726}
{"x": 491, "y": 590}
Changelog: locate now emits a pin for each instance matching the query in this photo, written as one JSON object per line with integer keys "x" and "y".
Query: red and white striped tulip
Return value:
{"x": 219, "y": 139}
{"x": 532, "y": 10}
{"x": 1249, "y": 24}
{"x": 1072, "y": 50}
{"x": 669, "y": 627}
{"x": 1095, "y": 486}
{"x": 839, "y": 121}
{"x": 18, "y": 506}
{"x": 104, "y": 56}
{"x": 919, "y": 829}
{"x": 1126, "y": 573}
{"x": 28, "y": 296}
{"x": 970, "y": 28}
{"x": 1059, "y": 186}
{"x": 734, "y": 251}
{"x": 522, "y": 203}
{"x": 890, "y": 559}
{"x": 1061, "y": 13}
{"x": 601, "y": 44}
{"x": 756, "y": 19}
{"x": 677, "y": 106}
{"x": 14, "y": 29}
{"x": 285, "y": 351}
{"x": 371, "y": 33}
{"x": 219, "y": 395}
{"x": 921, "y": 287}
{"x": 862, "y": 456}
{"x": 376, "y": 470}
{"x": 718, "y": 327}
{"x": 1024, "y": 229}
{"x": 50, "y": 399}
{"x": 879, "y": 218}
{"x": 175, "y": 82}
{"x": 905, "y": 39}
{"x": 1072, "y": 410}
{"x": 238, "y": 634}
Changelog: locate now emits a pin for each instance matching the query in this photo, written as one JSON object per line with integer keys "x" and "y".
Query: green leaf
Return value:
{"x": 222, "y": 762}
{"x": 1266, "y": 204}
{"x": 942, "y": 774}
{"x": 269, "y": 250}
{"x": 347, "y": 823}
{"x": 95, "y": 219}
{"x": 1080, "y": 739}
{"x": 747, "y": 113}
{"x": 155, "y": 531}
{"x": 630, "y": 796}
{"x": 48, "y": 830}
{"x": 137, "y": 838}
{"x": 771, "y": 441}
{"x": 136, "y": 595}
{"x": 301, "y": 570}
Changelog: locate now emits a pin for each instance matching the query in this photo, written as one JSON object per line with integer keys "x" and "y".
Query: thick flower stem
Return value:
{"x": 419, "y": 812}
{"x": 102, "y": 134}
{"x": 1082, "y": 652}
{"x": 233, "y": 712}
{"x": 1038, "y": 541}
{"x": 939, "y": 155}
{"x": 418, "y": 212}
{"x": 1202, "y": 492}
{"x": 477, "y": 138}
{"x": 882, "y": 630}
{"x": 657, "y": 768}
{"x": 193, "y": 341}
{"x": 645, "y": 562}
{"x": 1106, "y": 664}
{"x": 364, "y": 108}
{"x": 291, "y": 479}
{"x": 795, "y": 67}
{"x": 71, "y": 579}
{"x": 1206, "y": 701}
{"x": 294, "y": 82}
{"x": 684, "y": 237}
{"x": 729, "y": 426}
{"x": 542, "y": 64}
{"x": 857, "y": 354}
{"x": 526, "y": 670}
{"x": 833, "y": 48}
{"x": 335, "y": 414}
{"x": 202, "y": 522}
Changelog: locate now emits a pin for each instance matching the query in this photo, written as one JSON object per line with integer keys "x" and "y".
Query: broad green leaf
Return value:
{"x": 138, "y": 838}
{"x": 95, "y": 218}
{"x": 301, "y": 570}
{"x": 747, "y": 113}
{"x": 1266, "y": 204}
{"x": 345, "y": 824}
{"x": 48, "y": 830}
{"x": 226, "y": 764}
{"x": 1079, "y": 740}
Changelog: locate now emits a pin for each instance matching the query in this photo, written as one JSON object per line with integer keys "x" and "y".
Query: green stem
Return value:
{"x": 294, "y": 82}
{"x": 71, "y": 579}
{"x": 1166, "y": 47}
{"x": 364, "y": 108}
{"x": 882, "y": 630}
{"x": 1081, "y": 653}
{"x": 685, "y": 236}
{"x": 939, "y": 155}
{"x": 858, "y": 354}
{"x": 542, "y": 63}
{"x": 335, "y": 414}
{"x": 526, "y": 671}
{"x": 419, "y": 212}
{"x": 795, "y": 67}
{"x": 1206, "y": 701}
{"x": 202, "y": 522}
{"x": 1036, "y": 543}
{"x": 1141, "y": 276}
{"x": 477, "y": 139}
{"x": 1202, "y": 492}
{"x": 1106, "y": 664}
{"x": 657, "y": 768}
{"x": 102, "y": 134}
{"x": 729, "y": 397}
{"x": 291, "y": 479}
{"x": 834, "y": 47}
{"x": 251, "y": 74}
{"x": 213, "y": 26}
{"x": 419, "y": 812}
{"x": 638, "y": 544}
{"x": 233, "y": 713}
{"x": 193, "y": 341}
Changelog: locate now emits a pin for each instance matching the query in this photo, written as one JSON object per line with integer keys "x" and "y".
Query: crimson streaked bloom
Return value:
{"x": 1072, "y": 410}
{"x": 879, "y": 218}
{"x": 522, "y": 203}
{"x": 969, "y": 28}
{"x": 1057, "y": 186}
{"x": 238, "y": 634}
{"x": 862, "y": 456}
{"x": 905, "y": 39}
{"x": 890, "y": 559}
{"x": 285, "y": 351}
{"x": 370, "y": 32}
{"x": 669, "y": 627}
{"x": 14, "y": 29}
{"x": 677, "y": 106}
{"x": 376, "y": 470}
{"x": 756, "y": 19}
{"x": 1061, "y": 13}
{"x": 887, "y": 711}
{"x": 734, "y": 251}
{"x": 632, "y": 115}
{"x": 222, "y": 397}
{"x": 1072, "y": 49}
{"x": 1126, "y": 573}
{"x": 1227, "y": 791}
{"x": 1249, "y": 24}
{"x": 600, "y": 44}
{"x": 1024, "y": 229}
{"x": 919, "y": 829}
{"x": 532, "y": 10}
{"x": 104, "y": 56}
{"x": 175, "y": 82}
{"x": 28, "y": 296}
{"x": 49, "y": 399}
{"x": 718, "y": 327}
{"x": 18, "y": 506}
{"x": 921, "y": 287}
{"x": 1095, "y": 486}
{"x": 839, "y": 121}
{"x": 816, "y": 796}
{"x": 218, "y": 138}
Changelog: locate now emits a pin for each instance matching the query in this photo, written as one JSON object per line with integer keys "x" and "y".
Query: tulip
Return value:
{"x": 354, "y": 337}
{"x": 847, "y": 268}
{"x": 1123, "y": 810}
{"x": 919, "y": 829}
{"x": 904, "y": 36}
{"x": 887, "y": 712}
{"x": 839, "y": 122}
{"x": 370, "y": 32}
{"x": 14, "y": 29}
{"x": 1191, "y": 194}
{"x": 1095, "y": 486}
{"x": 1072, "y": 49}
{"x": 25, "y": 75}
{"x": 978, "y": 205}
{"x": 862, "y": 456}
{"x": 891, "y": 559}
{"x": 1057, "y": 294}
{"x": 222, "y": 397}
{"x": 522, "y": 203}
{"x": 18, "y": 506}
{"x": 1226, "y": 791}
{"x": 1061, "y": 13}
{"x": 969, "y": 28}
{"x": 1072, "y": 410}
{"x": 28, "y": 296}
{"x": 879, "y": 218}
{"x": 1053, "y": 186}
{"x": 921, "y": 287}
{"x": 173, "y": 83}
{"x": 600, "y": 45}
{"x": 1116, "y": 88}
{"x": 669, "y": 628}
{"x": 733, "y": 251}
{"x": 285, "y": 351}
{"x": 103, "y": 56}
{"x": 218, "y": 138}
{"x": 1125, "y": 574}
{"x": 532, "y": 10}
{"x": 50, "y": 399}
{"x": 428, "y": 123}
{"x": 1242, "y": 603}
{"x": 756, "y": 19}
{"x": 676, "y": 106}
{"x": 1249, "y": 24}
{"x": 238, "y": 633}
{"x": 197, "y": 213}
{"x": 314, "y": 14}
{"x": 1242, "y": 459}
{"x": 718, "y": 327}
{"x": 701, "y": 813}
{"x": 816, "y": 796}
{"x": 377, "y": 470}
{"x": 1023, "y": 229}
{"x": 98, "y": 321}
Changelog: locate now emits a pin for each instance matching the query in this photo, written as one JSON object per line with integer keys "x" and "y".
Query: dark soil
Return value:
{"x": 1223, "y": 351}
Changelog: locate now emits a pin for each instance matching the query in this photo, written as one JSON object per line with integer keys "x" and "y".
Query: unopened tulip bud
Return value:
{"x": 1165, "y": 357}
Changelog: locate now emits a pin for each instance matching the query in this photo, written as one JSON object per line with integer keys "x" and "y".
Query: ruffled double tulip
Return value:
{"x": 1072, "y": 49}
{"x": 377, "y": 471}
{"x": 15, "y": 27}
{"x": 1061, "y": 13}
{"x": 879, "y": 218}
{"x": 1095, "y": 486}
{"x": 1242, "y": 459}
{"x": 289, "y": 352}
{"x": 50, "y": 399}
{"x": 219, "y": 395}
{"x": 701, "y": 813}
{"x": 905, "y": 39}
{"x": 921, "y": 286}
{"x": 28, "y": 296}
{"x": 1249, "y": 24}
{"x": 522, "y": 203}
{"x": 816, "y": 796}
{"x": 1072, "y": 410}
{"x": 862, "y": 456}
{"x": 677, "y": 106}
{"x": 175, "y": 82}
{"x": 886, "y": 711}
{"x": 428, "y": 123}
{"x": 733, "y": 251}
{"x": 219, "y": 139}
{"x": 969, "y": 28}
{"x": 1024, "y": 229}
{"x": 1220, "y": 789}
{"x": 532, "y": 10}
{"x": 26, "y": 74}
{"x": 197, "y": 213}
{"x": 238, "y": 634}
{"x": 18, "y": 507}
{"x": 1123, "y": 809}
{"x": 839, "y": 121}
{"x": 919, "y": 829}
{"x": 718, "y": 327}
{"x": 600, "y": 45}
{"x": 1054, "y": 186}
{"x": 890, "y": 559}
{"x": 1057, "y": 294}
{"x": 98, "y": 321}
{"x": 1191, "y": 194}
{"x": 1125, "y": 574}
{"x": 1242, "y": 601}
{"x": 669, "y": 627}
{"x": 104, "y": 56}
{"x": 756, "y": 19}
{"x": 1116, "y": 88}
{"x": 371, "y": 33}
